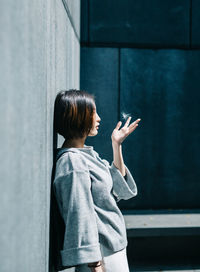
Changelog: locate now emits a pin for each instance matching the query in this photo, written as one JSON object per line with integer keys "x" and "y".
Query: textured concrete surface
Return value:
{"x": 84, "y": 31}
{"x": 195, "y": 31}
{"x": 39, "y": 54}
{"x": 167, "y": 269}
{"x": 138, "y": 23}
{"x": 164, "y": 253}
{"x": 161, "y": 223}
{"x": 160, "y": 85}
{"x": 99, "y": 75}
{"x": 74, "y": 13}
{"x": 162, "y": 88}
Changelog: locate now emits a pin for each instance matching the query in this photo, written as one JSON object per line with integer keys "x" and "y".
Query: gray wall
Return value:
{"x": 39, "y": 52}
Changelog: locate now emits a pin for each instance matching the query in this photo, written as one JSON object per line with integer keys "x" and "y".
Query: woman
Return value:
{"x": 87, "y": 188}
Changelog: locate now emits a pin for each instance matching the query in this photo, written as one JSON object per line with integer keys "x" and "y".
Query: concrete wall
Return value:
{"x": 39, "y": 52}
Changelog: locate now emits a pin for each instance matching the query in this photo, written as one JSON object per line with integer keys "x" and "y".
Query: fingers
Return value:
{"x": 132, "y": 124}
{"x": 118, "y": 125}
{"x": 138, "y": 120}
{"x": 132, "y": 128}
{"x": 127, "y": 121}
{"x": 135, "y": 123}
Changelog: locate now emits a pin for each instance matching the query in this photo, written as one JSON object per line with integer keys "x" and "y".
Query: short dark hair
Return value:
{"x": 73, "y": 113}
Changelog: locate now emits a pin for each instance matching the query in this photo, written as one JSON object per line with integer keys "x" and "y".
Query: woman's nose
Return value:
{"x": 98, "y": 118}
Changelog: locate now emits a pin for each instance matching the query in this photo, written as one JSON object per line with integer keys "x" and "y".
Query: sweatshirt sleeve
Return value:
{"x": 81, "y": 239}
{"x": 123, "y": 187}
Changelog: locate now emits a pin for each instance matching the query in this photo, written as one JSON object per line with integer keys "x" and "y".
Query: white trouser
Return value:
{"x": 116, "y": 261}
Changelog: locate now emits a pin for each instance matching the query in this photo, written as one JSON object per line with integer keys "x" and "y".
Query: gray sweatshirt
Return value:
{"x": 87, "y": 189}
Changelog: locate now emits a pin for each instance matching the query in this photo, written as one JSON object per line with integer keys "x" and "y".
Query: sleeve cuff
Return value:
{"x": 123, "y": 187}
{"x": 81, "y": 255}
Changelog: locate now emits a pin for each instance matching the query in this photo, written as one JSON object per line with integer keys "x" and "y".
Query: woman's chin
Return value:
{"x": 93, "y": 133}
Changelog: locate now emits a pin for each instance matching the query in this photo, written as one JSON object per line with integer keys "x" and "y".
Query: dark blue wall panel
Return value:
{"x": 140, "y": 23}
{"x": 162, "y": 88}
{"x": 195, "y": 23}
{"x": 84, "y": 21}
{"x": 99, "y": 75}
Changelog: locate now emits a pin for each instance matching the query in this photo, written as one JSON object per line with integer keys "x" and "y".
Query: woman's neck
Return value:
{"x": 77, "y": 143}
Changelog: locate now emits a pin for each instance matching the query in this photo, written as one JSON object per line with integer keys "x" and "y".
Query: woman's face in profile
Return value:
{"x": 96, "y": 121}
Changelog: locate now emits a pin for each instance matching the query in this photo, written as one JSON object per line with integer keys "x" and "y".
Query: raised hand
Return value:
{"x": 119, "y": 135}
